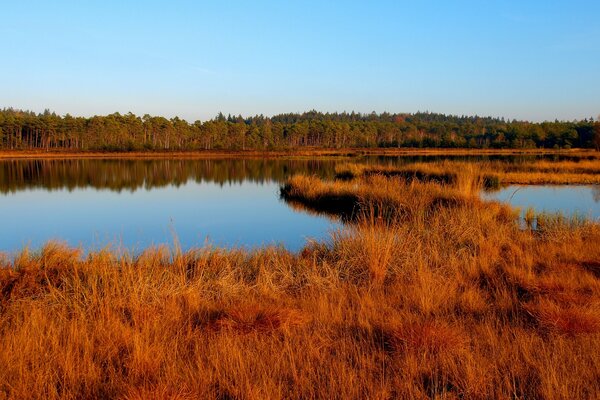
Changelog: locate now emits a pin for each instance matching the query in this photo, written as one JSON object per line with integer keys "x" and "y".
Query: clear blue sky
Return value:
{"x": 537, "y": 59}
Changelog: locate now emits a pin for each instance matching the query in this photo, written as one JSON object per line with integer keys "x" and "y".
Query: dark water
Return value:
{"x": 569, "y": 200}
{"x": 227, "y": 202}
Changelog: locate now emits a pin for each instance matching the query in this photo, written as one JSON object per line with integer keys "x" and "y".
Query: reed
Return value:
{"x": 491, "y": 174}
{"x": 428, "y": 293}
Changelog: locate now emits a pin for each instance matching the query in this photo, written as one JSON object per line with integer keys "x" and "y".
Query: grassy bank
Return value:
{"x": 431, "y": 293}
{"x": 295, "y": 152}
{"x": 491, "y": 173}
{"x": 384, "y": 199}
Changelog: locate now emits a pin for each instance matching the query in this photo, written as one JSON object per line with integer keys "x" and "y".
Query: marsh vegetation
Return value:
{"x": 427, "y": 292}
{"x": 492, "y": 173}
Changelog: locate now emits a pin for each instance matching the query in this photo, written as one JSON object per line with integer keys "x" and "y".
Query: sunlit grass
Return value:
{"x": 427, "y": 292}
{"x": 491, "y": 174}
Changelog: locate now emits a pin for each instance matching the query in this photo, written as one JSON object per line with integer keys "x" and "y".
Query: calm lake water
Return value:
{"x": 566, "y": 199}
{"x": 138, "y": 203}
{"x": 226, "y": 202}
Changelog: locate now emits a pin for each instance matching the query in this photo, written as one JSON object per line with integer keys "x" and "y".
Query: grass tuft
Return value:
{"x": 259, "y": 318}
{"x": 571, "y": 320}
{"x": 426, "y": 336}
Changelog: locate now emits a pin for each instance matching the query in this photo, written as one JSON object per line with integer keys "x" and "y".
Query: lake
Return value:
{"x": 136, "y": 203}
{"x": 569, "y": 200}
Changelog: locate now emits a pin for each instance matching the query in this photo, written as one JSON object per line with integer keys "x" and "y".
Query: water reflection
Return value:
{"x": 232, "y": 202}
{"x": 566, "y": 199}
{"x": 596, "y": 193}
{"x": 244, "y": 214}
{"x": 131, "y": 175}
{"x": 134, "y": 174}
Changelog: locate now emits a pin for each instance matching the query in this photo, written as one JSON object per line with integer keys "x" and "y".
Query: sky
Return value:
{"x": 535, "y": 59}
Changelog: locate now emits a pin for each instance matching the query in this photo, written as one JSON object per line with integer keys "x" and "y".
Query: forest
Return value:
{"x": 26, "y": 130}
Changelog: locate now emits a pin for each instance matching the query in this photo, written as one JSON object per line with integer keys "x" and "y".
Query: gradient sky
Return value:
{"x": 536, "y": 59}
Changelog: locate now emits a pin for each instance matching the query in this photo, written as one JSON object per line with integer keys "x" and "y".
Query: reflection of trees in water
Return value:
{"x": 135, "y": 174}
{"x": 596, "y": 193}
{"x": 132, "y": 174}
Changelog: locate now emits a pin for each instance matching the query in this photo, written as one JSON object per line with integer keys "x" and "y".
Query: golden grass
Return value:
{"x": 377, "y": 197}
{"x": 557, "y": 167}
{"x": 432, "y": 299}
{"x": 492, "y": 173}
{"x": 457, "y": 174}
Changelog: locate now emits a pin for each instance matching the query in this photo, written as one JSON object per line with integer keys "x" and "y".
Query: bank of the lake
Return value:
{"x": 430, "y": 292}
{"x": 295, "y": 152}
{"x": 138, "y": 202}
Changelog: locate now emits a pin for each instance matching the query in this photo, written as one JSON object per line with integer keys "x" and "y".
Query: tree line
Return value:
{"x": 26, "y": 130}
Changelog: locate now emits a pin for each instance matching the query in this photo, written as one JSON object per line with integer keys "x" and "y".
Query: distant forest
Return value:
{"x": 25, "y": 130}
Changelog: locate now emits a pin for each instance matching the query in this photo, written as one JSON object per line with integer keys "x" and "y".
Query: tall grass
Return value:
{"x": 491, "y": 174}
{"x": 442, "y": 297}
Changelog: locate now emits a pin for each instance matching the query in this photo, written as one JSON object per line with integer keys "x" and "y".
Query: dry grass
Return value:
{"x": 573, "y": 320}
{"x": 419, "y": 298}
{"x": 491, "y": 174}
{"x": 376, "y": 196}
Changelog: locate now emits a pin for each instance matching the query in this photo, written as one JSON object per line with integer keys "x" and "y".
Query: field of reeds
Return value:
{"x": 427, "y": 292}
{"x": 492, "y": 173}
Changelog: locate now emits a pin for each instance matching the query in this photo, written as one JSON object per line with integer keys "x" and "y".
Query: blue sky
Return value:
{"x": 518, "y": 59}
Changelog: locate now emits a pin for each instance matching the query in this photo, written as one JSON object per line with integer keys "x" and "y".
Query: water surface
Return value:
{"x": 135, "y": 203}
{"x": 232, "y": 214}
{"x": 569, "y": 200}
{"x": 138, "y": 203}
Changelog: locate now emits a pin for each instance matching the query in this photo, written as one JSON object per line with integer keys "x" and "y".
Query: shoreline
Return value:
{"x": 348, "y": 152}
{"x": 428, "y": 284}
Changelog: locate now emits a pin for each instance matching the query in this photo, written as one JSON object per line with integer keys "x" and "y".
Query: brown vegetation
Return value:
{"x": 305, "y": 151}
{"x": 491, "y": 173}
{"x": 432, "y": 293}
